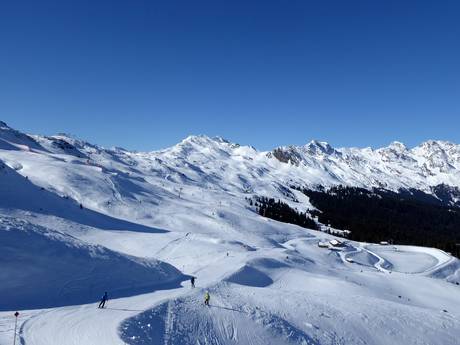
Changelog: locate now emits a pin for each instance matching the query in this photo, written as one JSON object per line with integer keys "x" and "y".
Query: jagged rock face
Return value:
{"x": 287, "y": 156}
{"x": 396, "y": 151}
{"x": 430, "y": 164}
{"x": 441, "y": 155}
{"x": 319, "y": 148}
{"x": 63, "y": 144}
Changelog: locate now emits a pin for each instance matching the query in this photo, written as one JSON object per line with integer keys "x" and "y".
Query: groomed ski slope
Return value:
{"x": 149, "y": 222}
{"x": 288, "y": 292}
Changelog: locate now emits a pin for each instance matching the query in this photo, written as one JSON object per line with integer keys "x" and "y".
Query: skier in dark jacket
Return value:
{"x": 192, "y": 282}
{"x": 207, "y": 297}
{"x": 103, "y": 300}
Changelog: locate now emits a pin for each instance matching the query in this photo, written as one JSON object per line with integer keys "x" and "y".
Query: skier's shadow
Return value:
{"x": 123, "y": 309}
{"x": 226, "y": 308}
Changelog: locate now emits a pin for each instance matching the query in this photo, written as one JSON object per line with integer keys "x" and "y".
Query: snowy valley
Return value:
{"x": 77, "y": 219}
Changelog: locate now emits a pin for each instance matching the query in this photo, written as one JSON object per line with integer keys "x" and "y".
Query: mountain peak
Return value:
{"x": 437, "y": 144}
{"x": 319, "y": 147}
{"x": 204, "y": 140}
{"x": 398, "y": 146}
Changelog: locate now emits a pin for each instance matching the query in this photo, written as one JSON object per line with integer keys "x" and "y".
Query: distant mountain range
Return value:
{"x": 218, "y": 163}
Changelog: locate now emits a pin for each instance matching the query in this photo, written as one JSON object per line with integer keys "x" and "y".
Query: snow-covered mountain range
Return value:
{"x": 216, "y": 163}
{"x": 77, "y": 219}
{"x": 393, "y": 167}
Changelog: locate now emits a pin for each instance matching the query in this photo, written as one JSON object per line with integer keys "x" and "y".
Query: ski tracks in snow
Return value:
{"x": 169, "y": 324}
{"x": 86, "y": 324}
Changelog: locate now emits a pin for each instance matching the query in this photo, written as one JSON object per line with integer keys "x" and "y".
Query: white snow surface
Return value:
{"x": 151, "y": 220}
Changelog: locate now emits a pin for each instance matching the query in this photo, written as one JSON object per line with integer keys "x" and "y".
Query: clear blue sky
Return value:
{"x": 144, "y": 74}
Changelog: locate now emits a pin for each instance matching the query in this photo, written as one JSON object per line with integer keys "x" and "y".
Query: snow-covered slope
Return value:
{"x": 45, "y": 268}
{"x": 149, "y": 219}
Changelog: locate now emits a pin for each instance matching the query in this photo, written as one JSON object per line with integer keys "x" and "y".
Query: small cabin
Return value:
{"x": 336, "y": 243}
{"x": 323, "y": 244}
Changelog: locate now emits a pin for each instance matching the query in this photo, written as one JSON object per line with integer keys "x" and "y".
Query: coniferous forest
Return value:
{"x": 380, "y": 215}
{"x": 280, "y": 211}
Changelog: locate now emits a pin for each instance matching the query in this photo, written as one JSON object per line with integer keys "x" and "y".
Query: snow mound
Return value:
{"x": 363, "y": 258}
{"x": 43, "y": 268}
{"x": 185, "y": 321}
{"x": 256, "y": 273}
{"x": 250, "y": 276}
{"x": 449, "y": 272}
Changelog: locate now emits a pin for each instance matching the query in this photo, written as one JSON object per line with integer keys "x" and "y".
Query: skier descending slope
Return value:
{"x": 192, "y": 282}
{"x": 103, "y": 300}
{"x": 206, "y": 298}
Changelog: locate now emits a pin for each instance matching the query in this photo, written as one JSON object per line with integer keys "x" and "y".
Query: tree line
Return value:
{"x": 381, "y": 215}
{"x": 280, "y": 211}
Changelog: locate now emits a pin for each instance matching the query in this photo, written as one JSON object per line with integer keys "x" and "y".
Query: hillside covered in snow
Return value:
{"x": 77, "y": 219}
